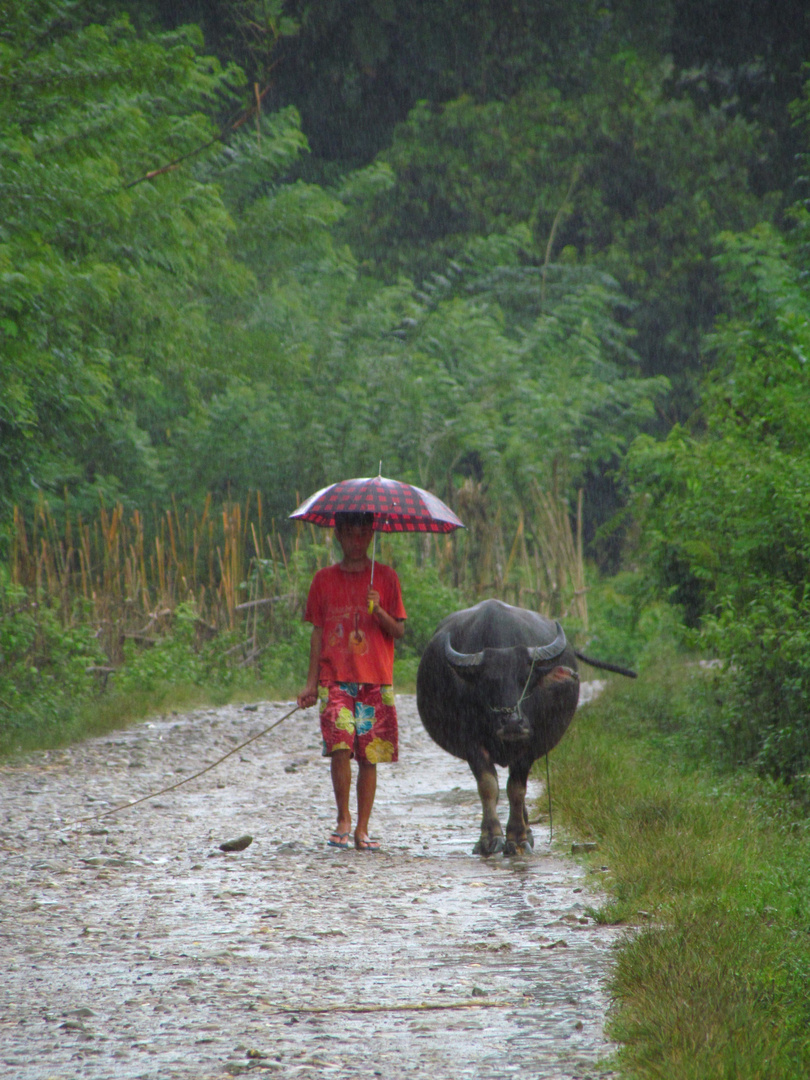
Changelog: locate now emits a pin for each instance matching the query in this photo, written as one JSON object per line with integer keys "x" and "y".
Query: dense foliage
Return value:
{"x": 105, "y": 278}
{"x": 728, "y": 508}
{"x": 177, "y": 316}
{"x": 621, "y": 176}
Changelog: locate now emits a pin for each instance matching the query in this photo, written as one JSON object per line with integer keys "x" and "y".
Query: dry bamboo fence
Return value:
{"x": 129, "y": 576}
{"x": 128, "y": 573}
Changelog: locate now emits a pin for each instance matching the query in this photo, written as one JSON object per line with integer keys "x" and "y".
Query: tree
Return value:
{"x": 108, "y": 247}
{"x": 727, "y": 509}
{"x": 622, "y": 178}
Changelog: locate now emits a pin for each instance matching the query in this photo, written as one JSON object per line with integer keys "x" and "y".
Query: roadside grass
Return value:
{"x": 711, "y": 875}
{"x": 56, "y": 702}
{"x": 55, "y": 708}
{"x": 116, "y": 710}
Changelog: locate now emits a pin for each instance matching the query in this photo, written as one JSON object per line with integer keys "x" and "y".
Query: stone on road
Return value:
{"x": 132, "y": 946}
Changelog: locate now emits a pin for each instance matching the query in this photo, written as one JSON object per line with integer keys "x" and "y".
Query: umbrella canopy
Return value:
{"x": 396, "y": 507}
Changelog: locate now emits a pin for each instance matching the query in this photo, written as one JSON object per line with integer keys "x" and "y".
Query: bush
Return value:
{"x": 626, "y": 622}
{"x": 44, "y": 679}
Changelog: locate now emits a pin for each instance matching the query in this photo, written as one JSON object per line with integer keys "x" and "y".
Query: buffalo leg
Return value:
{"x": 518, "y": 834}
{"x": 487, "y": 779}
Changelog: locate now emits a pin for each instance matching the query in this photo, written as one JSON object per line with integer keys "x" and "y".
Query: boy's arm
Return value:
{"x": 309, "y": 695}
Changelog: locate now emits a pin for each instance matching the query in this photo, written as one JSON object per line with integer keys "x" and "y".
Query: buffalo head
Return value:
{"x": 504, "y": 679}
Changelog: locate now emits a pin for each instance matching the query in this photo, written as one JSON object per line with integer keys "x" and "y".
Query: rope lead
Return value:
{"x": 185, "y": 780}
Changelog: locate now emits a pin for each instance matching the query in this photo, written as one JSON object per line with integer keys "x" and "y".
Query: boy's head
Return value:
{"x": 354, "y": 532}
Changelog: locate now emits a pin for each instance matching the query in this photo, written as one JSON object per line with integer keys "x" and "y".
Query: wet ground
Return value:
{"x": 132, "y": 947}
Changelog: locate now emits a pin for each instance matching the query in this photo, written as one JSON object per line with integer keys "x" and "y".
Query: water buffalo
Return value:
{"x": 498, "y": 685}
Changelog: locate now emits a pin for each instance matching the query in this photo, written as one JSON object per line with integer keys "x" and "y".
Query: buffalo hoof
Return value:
{"x": 489, "y": 845}
{"x": 519, "y": 847}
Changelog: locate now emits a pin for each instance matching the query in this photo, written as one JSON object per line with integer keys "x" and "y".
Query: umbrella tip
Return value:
{"x": 380, "y": 472}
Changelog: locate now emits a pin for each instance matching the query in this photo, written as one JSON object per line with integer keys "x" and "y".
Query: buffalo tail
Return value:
{"x": 607, "y": 667}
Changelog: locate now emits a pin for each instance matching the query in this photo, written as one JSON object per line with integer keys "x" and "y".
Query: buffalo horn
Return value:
{"x": 549, "y": 652}
{"x": 458, "y": 659}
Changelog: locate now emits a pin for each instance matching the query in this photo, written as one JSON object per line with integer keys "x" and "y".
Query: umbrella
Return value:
{"x": 397, "y": 507}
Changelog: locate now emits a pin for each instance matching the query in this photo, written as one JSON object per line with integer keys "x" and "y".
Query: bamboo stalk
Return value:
{"x": 84, "y": 552}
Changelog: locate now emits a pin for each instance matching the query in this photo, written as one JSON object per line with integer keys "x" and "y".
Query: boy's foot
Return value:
{"x": 366, "y": 843}
{"x": 339, "y": 840}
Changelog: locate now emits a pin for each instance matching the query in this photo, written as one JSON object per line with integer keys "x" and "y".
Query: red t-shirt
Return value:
{"x": 355, "y": 648}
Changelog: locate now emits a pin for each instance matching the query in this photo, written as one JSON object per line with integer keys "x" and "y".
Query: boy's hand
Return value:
{"x": 307, "y": 697}
{"x": 394, "y": 627}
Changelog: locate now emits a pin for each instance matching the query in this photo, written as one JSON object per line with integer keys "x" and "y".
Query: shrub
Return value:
{"x": 44, "y": 678}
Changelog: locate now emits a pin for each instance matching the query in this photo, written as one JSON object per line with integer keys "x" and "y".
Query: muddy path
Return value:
{"x": 132, "y": 947}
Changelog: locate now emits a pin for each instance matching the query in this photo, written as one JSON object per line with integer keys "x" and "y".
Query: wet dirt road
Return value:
{"x": 131, "y": 947}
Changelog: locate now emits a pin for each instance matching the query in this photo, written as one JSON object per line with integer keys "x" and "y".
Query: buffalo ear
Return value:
{"x": 552, "y": 673}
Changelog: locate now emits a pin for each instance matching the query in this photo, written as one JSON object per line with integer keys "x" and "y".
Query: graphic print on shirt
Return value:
{"x": 358, "y": 642}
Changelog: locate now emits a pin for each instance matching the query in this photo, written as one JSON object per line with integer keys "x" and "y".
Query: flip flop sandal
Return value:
{"x": 370, "y": 845}
{"x": 339, "y": 840}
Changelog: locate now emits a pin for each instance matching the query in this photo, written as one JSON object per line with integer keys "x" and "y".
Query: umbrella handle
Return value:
{"x": 371, "y": 582}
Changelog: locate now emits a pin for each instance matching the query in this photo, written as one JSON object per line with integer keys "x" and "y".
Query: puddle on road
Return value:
{"x": 132, "y": 947}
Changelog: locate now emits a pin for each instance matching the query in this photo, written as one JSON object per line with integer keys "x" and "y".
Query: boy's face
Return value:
{"x": 354, "y": 540}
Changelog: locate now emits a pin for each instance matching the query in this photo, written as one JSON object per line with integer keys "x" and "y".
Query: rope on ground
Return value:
{"x": 185, "y": 780}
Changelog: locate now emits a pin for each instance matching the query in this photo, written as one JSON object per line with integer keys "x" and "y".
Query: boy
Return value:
{"x": 351, "y": 670}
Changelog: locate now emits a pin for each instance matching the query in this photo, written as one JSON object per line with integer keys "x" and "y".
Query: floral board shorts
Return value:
{"x": 361, "y": 718}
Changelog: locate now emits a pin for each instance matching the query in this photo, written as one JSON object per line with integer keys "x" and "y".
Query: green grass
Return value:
{"x": 57, "y": 702}
{"x": 713, "y": 875}
{"x": 114, "y": 710}
{"x": 45, "y": 711}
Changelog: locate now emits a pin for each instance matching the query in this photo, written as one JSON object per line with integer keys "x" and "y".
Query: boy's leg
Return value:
{"x": 341, "y": 764}
{"x": 337, "y": 729}
{"x": 366, "y": 790}
{"x": 377, "y": 741}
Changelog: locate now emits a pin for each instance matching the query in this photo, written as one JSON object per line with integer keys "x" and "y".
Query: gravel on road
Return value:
{"x": 133, "y": 947}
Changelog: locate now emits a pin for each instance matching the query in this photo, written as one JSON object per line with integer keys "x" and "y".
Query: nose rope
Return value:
{"x": 528, "y": 680}
{"x": 512, "y": 708}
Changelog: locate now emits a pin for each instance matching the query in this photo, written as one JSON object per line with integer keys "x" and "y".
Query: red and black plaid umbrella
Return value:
{"x": 396, "y": 507}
